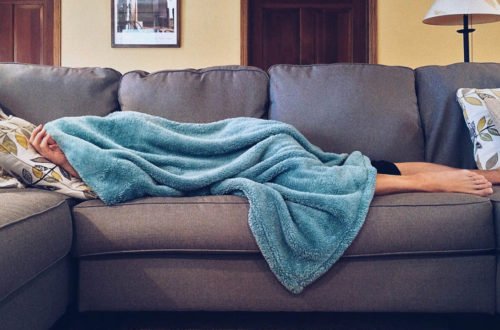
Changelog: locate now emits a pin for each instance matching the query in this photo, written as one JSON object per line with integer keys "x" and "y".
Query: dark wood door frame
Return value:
{"x": 57, "y": 32}
{"x": 372, "y": 26}
{"x": 54, "y": 11}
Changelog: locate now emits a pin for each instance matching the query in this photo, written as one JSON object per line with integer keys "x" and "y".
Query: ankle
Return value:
{"x": 422, "y": 182}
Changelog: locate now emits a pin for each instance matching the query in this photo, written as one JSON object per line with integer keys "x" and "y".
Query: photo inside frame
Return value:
{"x": 145, "y": 22}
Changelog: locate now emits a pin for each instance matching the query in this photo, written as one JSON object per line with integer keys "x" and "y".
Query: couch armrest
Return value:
{"x": 495, "y": 201}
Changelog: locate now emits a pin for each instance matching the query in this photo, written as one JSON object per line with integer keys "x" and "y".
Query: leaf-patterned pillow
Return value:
{"x": 485, "y": 134}
{"x": 19, "y": 159}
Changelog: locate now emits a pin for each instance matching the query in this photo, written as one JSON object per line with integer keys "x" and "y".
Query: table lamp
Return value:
{"x": 463, "y": 12}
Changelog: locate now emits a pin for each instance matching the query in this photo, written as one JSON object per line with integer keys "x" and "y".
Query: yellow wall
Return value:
{"x": 404, "y": 40}
{"x": 211, "y": 36}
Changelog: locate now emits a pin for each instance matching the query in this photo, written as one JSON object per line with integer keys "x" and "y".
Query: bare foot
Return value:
{"x": 461, "y": 181}
{"x": 492, "y": 176}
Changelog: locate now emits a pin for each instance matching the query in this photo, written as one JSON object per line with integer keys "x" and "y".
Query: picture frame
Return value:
{"x": 145, "y": 23}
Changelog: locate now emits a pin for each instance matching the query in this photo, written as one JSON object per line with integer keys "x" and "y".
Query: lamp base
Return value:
{"x": 465, "y": 31}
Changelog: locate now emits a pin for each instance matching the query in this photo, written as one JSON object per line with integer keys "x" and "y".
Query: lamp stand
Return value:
{"x": 465, "y": 31}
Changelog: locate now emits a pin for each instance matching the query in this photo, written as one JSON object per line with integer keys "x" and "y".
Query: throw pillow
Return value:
{"x": 493, "y": 106}
{"x": 7, "y": 181}
{"x": 478, "y": 107}
{"x": 19, "y": 159}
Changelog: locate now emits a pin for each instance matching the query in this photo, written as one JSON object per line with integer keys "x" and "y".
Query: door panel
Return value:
{"x": 6, "y": 33}
{"x": 29, "y": 31}
{"x": 337, "y": 43}
{"x": 306, "y": 31}
{"x": 281, "y": 26}
{"x": 325, "y": 36}
{"x": 28, "y": 34}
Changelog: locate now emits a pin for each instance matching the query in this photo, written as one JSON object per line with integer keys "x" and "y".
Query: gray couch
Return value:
{"x": 417, "y": 252}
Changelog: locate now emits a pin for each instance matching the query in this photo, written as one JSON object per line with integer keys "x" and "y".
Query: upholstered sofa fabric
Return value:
{"x": 40, "y": 303}
{"x": 40, "y": 93}
{"x": 401, "y": 224}
{"x": 243, "y": 282}
{"x": 370, "y": 108}
{"x": 164, "y": 225}
{"x": 495, "y": 201}
{"x": 197, "y": 96}
{"x": 426, "y": 223}
{"x": 35, "y": 233}
{"x": 447, "y": 139}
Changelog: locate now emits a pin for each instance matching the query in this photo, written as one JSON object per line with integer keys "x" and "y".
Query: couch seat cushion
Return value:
{"x": 163, "y": 224}
{"x": 35, "y": 232}
{"x": 396, "y": 224}
{"x": 423, "y": 223}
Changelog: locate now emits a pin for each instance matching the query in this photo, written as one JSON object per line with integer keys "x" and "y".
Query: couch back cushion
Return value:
{"x": 42, "y": 93}
{"x": 197, "y": 96}
{"x": 347, "y": 107}
{"x": 447, "y": 137}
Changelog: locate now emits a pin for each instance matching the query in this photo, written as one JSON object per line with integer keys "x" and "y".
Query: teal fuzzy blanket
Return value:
{"x": 306, "y": 205}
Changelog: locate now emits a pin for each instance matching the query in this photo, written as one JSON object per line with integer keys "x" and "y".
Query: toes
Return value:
{"x": 487, "y": 192}
{"x": 483, "y": 185}
{"x": 477, "y": 178}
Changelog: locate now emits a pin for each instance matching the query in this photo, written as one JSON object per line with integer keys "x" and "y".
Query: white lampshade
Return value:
{"x": 451, "y": 12}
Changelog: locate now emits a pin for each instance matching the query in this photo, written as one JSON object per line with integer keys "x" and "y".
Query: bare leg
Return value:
{"x": 411, "y": 168}
{"x": 461, "y": 181}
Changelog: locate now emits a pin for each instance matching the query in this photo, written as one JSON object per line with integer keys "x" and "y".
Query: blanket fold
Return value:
{"x": 306, "y": 205}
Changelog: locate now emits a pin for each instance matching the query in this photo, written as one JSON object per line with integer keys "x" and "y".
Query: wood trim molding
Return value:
{"x": 244, "y": 32}
{"x": 57, "y": 33}
{"x": 372, "y": 32}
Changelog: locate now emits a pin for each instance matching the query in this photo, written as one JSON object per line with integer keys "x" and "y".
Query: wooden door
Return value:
{"x": 30, "y": 31}
{"x": 307, "y": 31}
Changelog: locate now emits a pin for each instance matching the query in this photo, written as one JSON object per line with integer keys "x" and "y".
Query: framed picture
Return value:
{"x": 145, "y": 23}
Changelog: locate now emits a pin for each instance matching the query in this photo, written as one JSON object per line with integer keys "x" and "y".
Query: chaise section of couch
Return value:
{"x": 417, "y": 252}
{"x": 36, "y": 276}
{"x": 37, "y": 273}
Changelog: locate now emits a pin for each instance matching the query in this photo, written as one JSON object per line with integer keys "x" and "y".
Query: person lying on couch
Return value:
{"x": 391, "y": 177}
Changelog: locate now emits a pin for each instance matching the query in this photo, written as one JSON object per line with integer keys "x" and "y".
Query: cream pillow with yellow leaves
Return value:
{"x": 6, "y": 180}
{"x": 19, "y": 159}
{"x": 480, "y": 116}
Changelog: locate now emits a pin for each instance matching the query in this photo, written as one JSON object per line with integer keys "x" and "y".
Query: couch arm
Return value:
{"x": 495, "y": 201}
